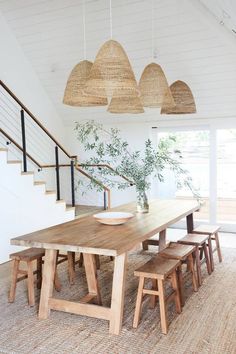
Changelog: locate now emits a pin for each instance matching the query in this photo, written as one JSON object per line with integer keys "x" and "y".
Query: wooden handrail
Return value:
{"x": 110, "y": 168}
{"x": 34, "y": 118}
{"x": 92, "y": 178}
{"x": 82, "y": 172}
{"x": 19, "y": 147}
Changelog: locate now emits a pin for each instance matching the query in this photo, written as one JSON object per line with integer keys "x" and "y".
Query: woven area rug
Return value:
{"x": 206, "y": 325}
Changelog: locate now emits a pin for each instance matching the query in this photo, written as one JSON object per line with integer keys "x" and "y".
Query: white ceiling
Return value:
{"x": 224, "y": 11}
{"x": 188, "y": 48}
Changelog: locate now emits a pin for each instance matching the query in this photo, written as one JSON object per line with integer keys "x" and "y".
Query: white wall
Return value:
{"x": 18, "y": 74}
{"x": 135, "y": 134}
{"x": 24, "y": 207}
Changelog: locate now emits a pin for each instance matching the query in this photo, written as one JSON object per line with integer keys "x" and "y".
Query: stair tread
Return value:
{"x": 27, "y": 173}
{"x": 14, "y": 162}
{"x": 38, "y": 183}
{"x": 50, "y": 192}
{"x": 70, "y": 208}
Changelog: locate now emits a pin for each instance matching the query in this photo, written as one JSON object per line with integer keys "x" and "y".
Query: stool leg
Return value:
{"x": 192, "y": 270}
{"x": 162, "y": 303}
{"x": 145, "y": 245}
{"x": 71, "y": 267}
{"x": 218, "y": 246}
{"x": 206, "y": 254}
{"x": 12, "y": 293}
{"x": 153, "y": 298}
{"x": 211, "y": 253}
{"x": 181, "y": 284}
{"x": 39, "y": 273}
{"x": 138, "y": 302}
{"x": 30, "y": 282}
{"x": 57, "y": 284}
{"x": 81, "y": 260}
{"x": 97, "y": 260}
{"x": 198, "y": 265}
{"x": 175, "y": 286}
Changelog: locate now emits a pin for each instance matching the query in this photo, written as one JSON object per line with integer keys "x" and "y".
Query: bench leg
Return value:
{"x": 218, "y": 246}
{"x": 181, "y": 284}
{"x": 30, "y": 282}
{"x": 211, "y": 253}
{"x": 39, "y": 273}
{"x": 153, "y": 297}
{"x": 138, "y": 302}
{"x": 162, "y": 303}
{"x": 206, "y": 254}
{"x": 175, "y": 286}
{"x": 145, "y": 245}
{"x": 12, "y": 293}
{"x": 192, "y": 270}
{"x": 198, "y": 265}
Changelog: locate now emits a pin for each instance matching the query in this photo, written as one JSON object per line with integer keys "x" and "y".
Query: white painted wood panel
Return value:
{"x": 187, "y": 47}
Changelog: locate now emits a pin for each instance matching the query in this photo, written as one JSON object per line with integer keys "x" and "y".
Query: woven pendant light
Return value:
{"x": 126, "y": 104}
{"x": 74, "y": 91}
{"x": 111, "y": 74}
{"x": 154, "y": 87}
{"x": 183, "y": 97}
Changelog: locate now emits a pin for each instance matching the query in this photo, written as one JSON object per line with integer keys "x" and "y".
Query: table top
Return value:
{"x": 86, "y": 235}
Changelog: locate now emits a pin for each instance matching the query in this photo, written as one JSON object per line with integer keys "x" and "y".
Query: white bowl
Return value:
{"x": 113, "y": 218}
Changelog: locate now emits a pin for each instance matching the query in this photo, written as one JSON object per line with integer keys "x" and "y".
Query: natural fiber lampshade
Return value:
{"x": 154, "y": 87}
{"x": 183, "y": 97}
{"x": 111, "y": 74}
{"x": 74, "y": 91}
{"x": 127, "y": 104}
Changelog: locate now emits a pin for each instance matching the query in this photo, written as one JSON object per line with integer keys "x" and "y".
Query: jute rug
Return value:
{"x": 206, "y": 325}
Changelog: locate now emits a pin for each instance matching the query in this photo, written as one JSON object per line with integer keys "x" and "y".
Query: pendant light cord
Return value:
{"x": 152, "y": 24}
{"x": 84, "y": 28}
{"x": 110, "y": 20}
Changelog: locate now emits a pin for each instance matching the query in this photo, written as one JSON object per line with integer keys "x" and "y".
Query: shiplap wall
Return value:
{"x": 51, "y": 35}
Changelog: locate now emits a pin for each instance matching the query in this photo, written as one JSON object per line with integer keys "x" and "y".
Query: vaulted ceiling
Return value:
{"x": 224, "y": 11}
{"x": 187, "y": 44}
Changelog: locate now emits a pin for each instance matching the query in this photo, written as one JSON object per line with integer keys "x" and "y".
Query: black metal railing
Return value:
{"x": 21, "y": 132}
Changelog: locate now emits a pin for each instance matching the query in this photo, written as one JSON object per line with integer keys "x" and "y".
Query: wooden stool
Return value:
{"x": 200, "y": 241}
{"x": 212, "y": 231}
{"x": 158, "y": 269}
{"x": 29, "y": 256}
{"x": 184, "y": 253}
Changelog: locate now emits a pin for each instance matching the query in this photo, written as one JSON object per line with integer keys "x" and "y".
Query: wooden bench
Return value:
{"x": 158, "y": 269}
{"x": 200, "y": 241}
{"x": 29, "y": 256}
{"x": 212, "y": 231}
{"x": 183, "y": 253}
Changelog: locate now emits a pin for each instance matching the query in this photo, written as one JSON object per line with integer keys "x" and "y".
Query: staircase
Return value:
{"x": 39, "y": 179}
{"x": 26, "y": 205}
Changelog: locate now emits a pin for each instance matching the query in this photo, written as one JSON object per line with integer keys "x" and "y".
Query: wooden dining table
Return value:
{"x": 87, "y": 236}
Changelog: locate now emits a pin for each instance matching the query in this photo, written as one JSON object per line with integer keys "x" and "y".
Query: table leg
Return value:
{"x": 118, "y": 293}
{"x": 162, "y": 240}
{"x": 189, "y": 220}
{"x": 91, "y": 275}
{"x": 47, "y": 283}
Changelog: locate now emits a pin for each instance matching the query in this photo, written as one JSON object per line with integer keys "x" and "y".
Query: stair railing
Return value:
{"x": 58, "y": 147}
